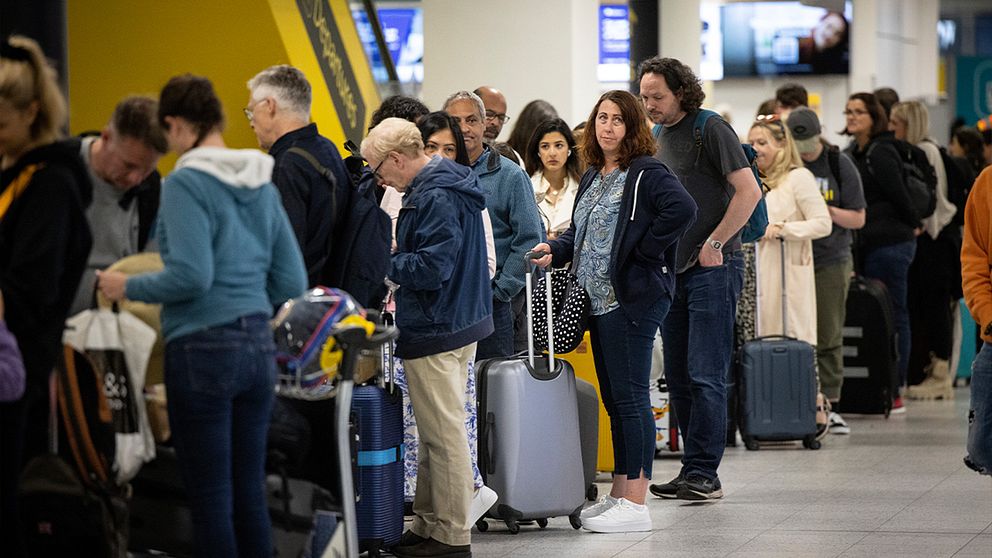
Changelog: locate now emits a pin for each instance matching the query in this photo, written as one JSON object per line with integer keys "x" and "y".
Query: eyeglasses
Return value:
{"x": 250, "y": 110}
{"x": 492, "y": 115}
{"x": 375, "y": 171}
{"x": 854, "y": 112}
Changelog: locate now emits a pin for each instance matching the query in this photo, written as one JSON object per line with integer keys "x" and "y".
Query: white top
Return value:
{"x": 945, "y": 210}
{"x": 557, "y": 217}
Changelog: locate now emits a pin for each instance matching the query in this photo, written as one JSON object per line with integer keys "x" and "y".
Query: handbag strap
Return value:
{"x": 577, "y": 246}
{"x": 16, "y": 188}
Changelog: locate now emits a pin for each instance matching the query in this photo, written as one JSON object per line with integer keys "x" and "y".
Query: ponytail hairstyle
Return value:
{"x": 26, "y": 78}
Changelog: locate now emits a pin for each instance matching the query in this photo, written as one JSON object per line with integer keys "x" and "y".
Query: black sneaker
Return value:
{"x": 698, "y": 487}
{"x": 434, "y": 548}
{"x": 669, "y": 489}
{"x": 410, "y": 538}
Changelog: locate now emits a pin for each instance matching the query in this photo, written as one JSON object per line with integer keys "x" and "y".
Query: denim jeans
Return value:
{"x": 890, "y": 265}
{"x": 698, "y": 337}
{"x": 622, "y": 350}
{"x": 220, "y": 383}
{"x": 980, "y": 415}
{"x": 500, "y": 342}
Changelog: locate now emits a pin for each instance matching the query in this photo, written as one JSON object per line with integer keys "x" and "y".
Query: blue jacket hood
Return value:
{"x": 445, "y": 173}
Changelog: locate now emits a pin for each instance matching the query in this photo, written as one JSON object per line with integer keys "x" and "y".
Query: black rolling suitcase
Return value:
{"x": 870, "y": 355}
{"x": 777, "y": 387}
{"x": 588, "y": 402}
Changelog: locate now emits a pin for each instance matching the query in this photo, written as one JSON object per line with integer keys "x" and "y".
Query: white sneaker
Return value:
{"x": 624, "y": 517}
{"x": 604, "y": 503}
{"x": 484, "y": 499}
{"x": 837, "y": 424}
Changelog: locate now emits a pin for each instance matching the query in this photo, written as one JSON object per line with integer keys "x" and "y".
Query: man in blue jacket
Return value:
{"x": 513, "y": 211}
{"x": 443, "y": 308}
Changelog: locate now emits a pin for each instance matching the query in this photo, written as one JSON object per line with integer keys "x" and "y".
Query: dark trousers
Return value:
{"x": 500, "y": 342}
{"x": 221, "y": 389}
{"x": 930, "y": 299}
{"x": 621, "y": 350}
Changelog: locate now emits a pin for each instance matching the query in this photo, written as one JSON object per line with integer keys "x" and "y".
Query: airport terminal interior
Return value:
{"x": 887, "y": 484}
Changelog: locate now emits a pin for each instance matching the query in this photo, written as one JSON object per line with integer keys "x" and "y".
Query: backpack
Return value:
{"x": 833, "y": 160}
{"x": 360, "y": 245}
{"x": 69, "y": 503}
{"x": 918, "y": 174}
{"x": 758, "y": 221}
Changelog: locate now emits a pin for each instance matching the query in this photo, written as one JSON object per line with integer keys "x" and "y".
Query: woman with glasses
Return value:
{"x": 230, "y": 255}
{"x": 553, "y": 165}
{"x": 887, "y": 243}
{"x": 797, "y": 215}
{"x": 935, "y": 275}
{"x": 630, "y": 212}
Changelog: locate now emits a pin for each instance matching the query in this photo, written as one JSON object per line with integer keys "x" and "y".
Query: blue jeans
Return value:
{"x": 500, "y": 342}
{"x": 698, "y": 337}
{"x": 220, "y": 383}
{"x": 621, "y": 350}
{"x": 980, "y": 415}
{"x": 890, "y": 265}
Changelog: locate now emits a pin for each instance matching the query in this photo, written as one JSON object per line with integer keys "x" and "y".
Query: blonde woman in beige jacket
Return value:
{"x": 797, "y": 214}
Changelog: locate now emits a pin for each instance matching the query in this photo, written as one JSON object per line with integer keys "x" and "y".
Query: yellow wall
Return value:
{"x": 123, "y": 47}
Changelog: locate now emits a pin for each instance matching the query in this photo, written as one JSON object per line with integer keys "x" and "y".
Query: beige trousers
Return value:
{"x": 444, "y": 468}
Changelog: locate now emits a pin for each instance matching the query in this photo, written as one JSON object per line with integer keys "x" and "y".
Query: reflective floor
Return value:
{"x": 894, "y": 487}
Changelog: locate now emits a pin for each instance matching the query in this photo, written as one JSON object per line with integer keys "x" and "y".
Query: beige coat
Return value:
{"x": 798, "y": 205}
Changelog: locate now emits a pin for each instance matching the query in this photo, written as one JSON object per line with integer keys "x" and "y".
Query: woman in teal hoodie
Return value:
{"x": 230, "y": 256}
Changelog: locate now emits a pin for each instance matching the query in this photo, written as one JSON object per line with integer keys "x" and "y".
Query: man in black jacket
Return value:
{"x": 121, "y": 161}
{"x": 279, "y": 113}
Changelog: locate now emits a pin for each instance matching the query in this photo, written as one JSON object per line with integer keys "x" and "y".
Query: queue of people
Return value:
{"x": 645, "y": 209}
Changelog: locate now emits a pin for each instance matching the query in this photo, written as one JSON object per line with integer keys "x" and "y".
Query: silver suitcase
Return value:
{"x": 530, "y": 451}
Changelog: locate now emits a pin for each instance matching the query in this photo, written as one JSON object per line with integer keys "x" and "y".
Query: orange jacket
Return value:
{"x": 976, "y": 253}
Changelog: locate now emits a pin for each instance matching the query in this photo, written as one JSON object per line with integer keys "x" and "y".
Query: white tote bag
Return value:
{"x": 119, "y": 345}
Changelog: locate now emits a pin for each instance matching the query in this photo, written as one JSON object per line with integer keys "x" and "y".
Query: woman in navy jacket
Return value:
{"x": 630, "y": 212}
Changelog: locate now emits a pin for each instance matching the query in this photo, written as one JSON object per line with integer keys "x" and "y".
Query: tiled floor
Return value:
{"x": 894, "y": 487}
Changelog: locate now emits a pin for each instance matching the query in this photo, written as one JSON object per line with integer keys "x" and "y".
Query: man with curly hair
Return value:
{"x": 698, "y": 332}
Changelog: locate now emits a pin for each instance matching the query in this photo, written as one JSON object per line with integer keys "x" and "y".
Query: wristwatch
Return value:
{"x": 716, "y": 244}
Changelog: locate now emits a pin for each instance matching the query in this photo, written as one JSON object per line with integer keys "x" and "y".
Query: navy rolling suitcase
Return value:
{"x": 870, "y": 372}
{"x": 777, "y": 387}
{"x": 377, "y": 413}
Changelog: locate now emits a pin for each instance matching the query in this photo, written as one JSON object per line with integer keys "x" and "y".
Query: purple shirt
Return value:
{"x": 11, "y": 366}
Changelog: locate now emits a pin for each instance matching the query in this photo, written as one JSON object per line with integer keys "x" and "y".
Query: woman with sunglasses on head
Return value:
{"x": 230, "y": 255}
{"x": 553, "y": 165}
{"x": 630, "y": 213}
{"x": 797, "y": 215}
{"x": 887, "y": 243}
{"x": 44, "y": 244}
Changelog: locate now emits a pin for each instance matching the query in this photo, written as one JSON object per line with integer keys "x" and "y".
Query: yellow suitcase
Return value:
{"x": 581, "y": 360}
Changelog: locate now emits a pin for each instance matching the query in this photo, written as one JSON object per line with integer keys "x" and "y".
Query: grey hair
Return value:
{"x": 467, "y": 96}
{"x": 287, "y": 85}
{"x": 393, "y": 134}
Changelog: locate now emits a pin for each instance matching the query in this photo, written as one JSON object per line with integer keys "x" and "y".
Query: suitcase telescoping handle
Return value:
{"x": 529, "y": 257}
{"x": 785, "y": 329}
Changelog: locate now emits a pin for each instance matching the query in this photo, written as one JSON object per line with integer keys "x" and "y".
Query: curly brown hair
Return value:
{"x": 679, "y": 78}
{"x": 636, "y": 142}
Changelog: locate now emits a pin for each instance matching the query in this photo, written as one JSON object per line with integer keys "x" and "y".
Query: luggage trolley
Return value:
{"x": 319, "y": 337}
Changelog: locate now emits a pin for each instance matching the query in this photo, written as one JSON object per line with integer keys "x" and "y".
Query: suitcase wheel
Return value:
{"x": 810, "y": 442}
{"x": 750, "y": 443}
{"x": 482, "y": 525}
{"x": 513, "y": 526}
{"x": 575, "y": 521}
{"x": 542, "y": 523}
{"x": 592, "y": 492}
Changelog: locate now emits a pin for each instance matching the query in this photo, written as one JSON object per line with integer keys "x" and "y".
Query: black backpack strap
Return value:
{"x": 833, "y": 159}
{"x": 321, "y": 169}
